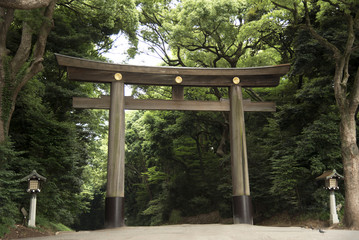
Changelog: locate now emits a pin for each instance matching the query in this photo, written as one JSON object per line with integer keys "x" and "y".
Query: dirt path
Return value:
{"x": 207, "y": 232}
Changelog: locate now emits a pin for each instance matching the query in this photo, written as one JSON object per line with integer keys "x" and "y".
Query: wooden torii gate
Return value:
{"x": 119, "y": 75}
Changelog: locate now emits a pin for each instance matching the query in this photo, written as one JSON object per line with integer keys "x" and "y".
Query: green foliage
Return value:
{"x": 156, "y": 209}
{"x": 9, "y": 209}
{"x": 11, "y": 190}
{"x": 303, "y": 145}
{"x": 80, "y": 22}
{"x": 176, "y": 162}
{"x": 45, "y": 223}
{"x": 6, "y": 92}
{"x": 59, "y": 142}
{"x": 50, "y": 149}
{"x": 175, "y": 217}
{"x": 166, "y": 152}
{"x": 33, "y": 18}
{"x": 284, "y": 157}
{"x": 205, "y": 33}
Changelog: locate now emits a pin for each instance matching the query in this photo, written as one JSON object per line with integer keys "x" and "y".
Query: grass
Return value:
{"x": 56, "y": 227}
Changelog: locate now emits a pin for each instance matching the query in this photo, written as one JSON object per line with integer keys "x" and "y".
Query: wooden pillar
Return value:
{"x": 242, "y": 204}
{"x": 177, "y": 92}
{"x": 115, "y": 191}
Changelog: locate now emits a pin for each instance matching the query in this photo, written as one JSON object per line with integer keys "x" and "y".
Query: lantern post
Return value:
{"x": 34, "y": 186}
{"x": 331, "y": 183}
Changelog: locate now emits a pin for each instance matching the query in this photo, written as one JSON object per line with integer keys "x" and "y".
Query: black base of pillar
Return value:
{"x": 114, "y": 212}
{"x": 242, "y": 210}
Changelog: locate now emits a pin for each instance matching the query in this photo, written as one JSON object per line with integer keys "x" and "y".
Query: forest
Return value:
{"x": 178, "y": 162}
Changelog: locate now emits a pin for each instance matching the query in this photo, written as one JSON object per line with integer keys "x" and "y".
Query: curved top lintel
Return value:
{"x": 214, "y": 76}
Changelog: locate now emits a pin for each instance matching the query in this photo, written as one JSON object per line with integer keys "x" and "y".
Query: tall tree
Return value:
{"x": 17, "y": 68}
{"x": 207, "y": 33}
{"x": 22, "y": 58}
{"x": 80, "y": 28}
{"x": 340, "y": 40}
{"x": 220, "y": 33}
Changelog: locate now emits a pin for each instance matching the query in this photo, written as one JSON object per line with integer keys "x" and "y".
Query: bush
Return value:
{"x": 45, "y": 223}
{"x": 200, "y": 205}
{"x": 10, "y": 190}
{"x": 175, "y": 217}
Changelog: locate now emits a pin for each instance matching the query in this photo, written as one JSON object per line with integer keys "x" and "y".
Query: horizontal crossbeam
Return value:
{"x": 94, "y": 71}
{"x": 181, "y": 105}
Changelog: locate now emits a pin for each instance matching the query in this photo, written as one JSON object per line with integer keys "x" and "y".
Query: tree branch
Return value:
{"x": 320, "y": 39}
{"x": 39, "y": 48}
{"x": 253, "y": 94}
{"x": 356, "y": 20}
{"x": 6, "y": 17}
{"x": 354, "y": 101}
{"x": 332, "y": 4}
{"x": 201, "y": 63}
{"x": 24, "y": 49}
{"x": 194, "y": 47}
{"x": 24, "y": 4}
{"x": 292, "y": 10}
{"x": 43, "y": 33}
{"x": 180, "y": 61}
{"x": 348, "y": 48}
{"x": 68, "y": 7}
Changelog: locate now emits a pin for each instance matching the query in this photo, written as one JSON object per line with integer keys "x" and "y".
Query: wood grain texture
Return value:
{"x": 93, "y": 71}
{"x": 116, "y": 143}
{"x": 180, "y": 105}
{"x": 240, "y": 176}
{"x": 177, "y": 92}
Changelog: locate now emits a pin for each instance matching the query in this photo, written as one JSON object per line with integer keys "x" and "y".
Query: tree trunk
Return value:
{"x": 350, "y": 154}
{"x": 348, "y": 105}
{"x": 17, "y": 70}
{"x": 2, "y": 132}
{"x": 6, "y": 18}
{"x": 24, "y": 4}
{"x": 347, "y": 101}
{"x": 2, "y": 124}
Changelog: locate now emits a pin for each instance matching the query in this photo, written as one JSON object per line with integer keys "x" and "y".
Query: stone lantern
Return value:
{"x": 34, "y": 186}
{"x": 331, "y": 183}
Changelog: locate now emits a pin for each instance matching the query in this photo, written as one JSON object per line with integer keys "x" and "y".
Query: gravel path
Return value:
{"x": 206, "y": 232}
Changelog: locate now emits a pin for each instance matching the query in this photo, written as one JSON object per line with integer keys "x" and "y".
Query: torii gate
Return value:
{"x": 119, "y": 75}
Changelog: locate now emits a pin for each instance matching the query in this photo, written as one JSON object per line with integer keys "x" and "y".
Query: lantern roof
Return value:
{"x": 329, "y": 174}
{"x": 33, "y": 175}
